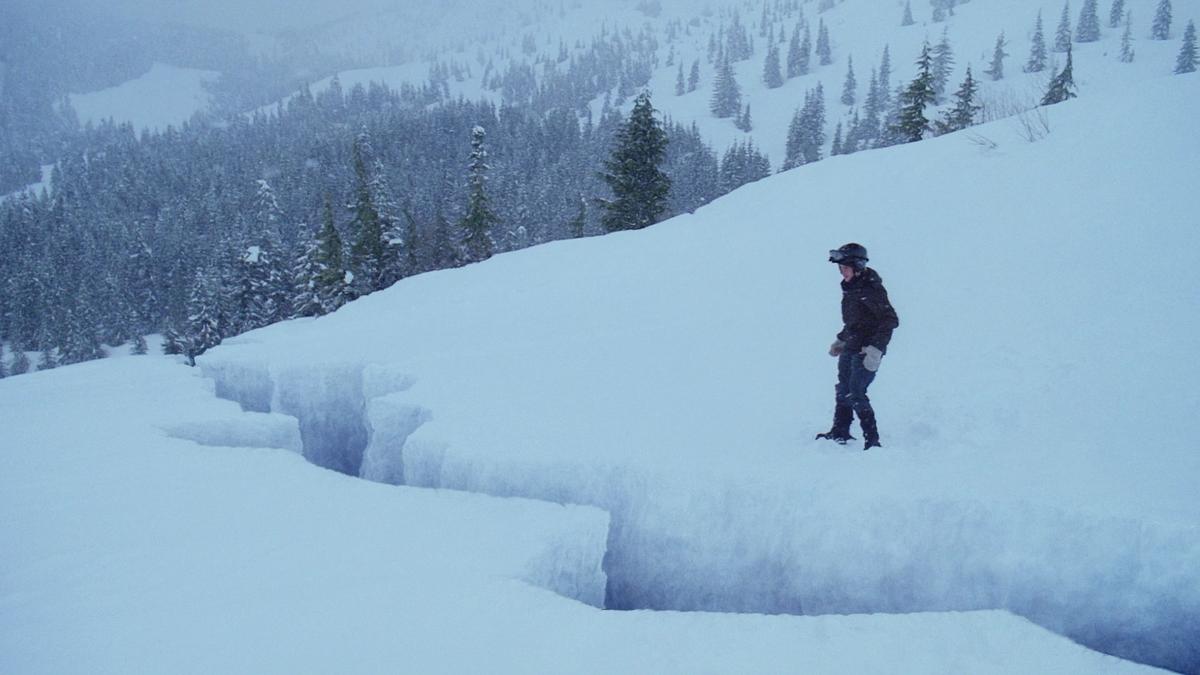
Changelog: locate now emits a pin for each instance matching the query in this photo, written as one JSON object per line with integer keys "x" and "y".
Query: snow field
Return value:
{"x": 1037, "y": 457}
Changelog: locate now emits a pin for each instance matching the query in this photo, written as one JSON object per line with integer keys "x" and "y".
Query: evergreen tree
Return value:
{"x": 772, "y": 75}
{"x": 140, "y": 348}
{"x": 3, "y": 367}
{"x": 996, "y": 68}
{"x": 332, "y": 286}
{"x": 885, "y": 78}
{"x": 941, "y": 66}
{"x": 579, "y": 222}
{"x": 480, "y": 220}
{"x": 800, "y": 54}
{"x": 172, "y": 342}
{"x": 203, "y": 331}
{"x": 639, "y": 188}
{"x": 836, "y": 148}
{"x": 824, "y": 49}
{"x": 727, "y": 95}
{"x": 305, "y": 269}
{"x": 1186, "y": 61}
{"x": 680, "y": 85}
{"x": 1116, "y": 13}
{"x": 965, "y": 107}
{"x": 851, "y": 85}
{"x": 1161, "y": 28}
{"x": 20, "y": 362}
{"x": 912, "y": 123}
{"x": 806, "y": 133}
{"x": 368, "y": 248}
{"x": 1127, "y": 40}
{"x": 1062, "y": 36}
{"x": 1062, "y": 86}
{"x": 694, "y": 76}
{"x": 743, "y": 121}
{"x": 908, "y": 17}
{"x": 1088, "y": 29}
{"x": 1037, "y": 51}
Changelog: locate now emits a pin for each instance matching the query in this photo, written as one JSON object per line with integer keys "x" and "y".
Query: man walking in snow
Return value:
{"x": 869, "y": 320}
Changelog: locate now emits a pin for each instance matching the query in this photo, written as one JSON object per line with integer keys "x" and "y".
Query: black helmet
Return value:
{"x": 853, "y": 255}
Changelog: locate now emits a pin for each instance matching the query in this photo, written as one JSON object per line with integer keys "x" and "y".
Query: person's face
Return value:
{"x": 847, "y": 272}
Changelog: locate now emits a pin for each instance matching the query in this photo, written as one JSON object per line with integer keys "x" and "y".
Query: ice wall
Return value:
{"x": 693, "y": 539}
{"x": 325, "y": 412}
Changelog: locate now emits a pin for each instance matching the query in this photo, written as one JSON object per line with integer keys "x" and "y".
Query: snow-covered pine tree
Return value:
{"x": 680, "y": 84}
{"x": 907, "y": 20}
{"x": 772, "y": 74}
{"x": 799, "y": 51}
{"x": 305, "y": 268}
{"x": 743, "y": 121}
{"x": 333, "y": 280}
{"x": 391, "y": 264}
{"x": 1037, "y": 49}
{"x": 1062, "y": 86}
{"x": 172, "y": 342}
{"x": 737, "y": 40}
{"x": 1186, "y": 61}
{"x": 866, "y": 129}
{"x": 1161, "y": 28}
{"x": 694, "y": 76}
{"x": 577, "y": 225}
{"x": 1062, "y": 36}
{"x": 478, "y": 223}
{"x": 824, "y": 48}
{"x": 850, "y": 86}
{"x": 1127, "y": 40}
{"x": 885, "y": 78}
{"x": 806, "y": 133}
{"x": 996, "y": 67}
{"x": 368, "y": 248}
{"x": 912, "y": 123}
{"x": 836, "y": 148}
{"x": 962, "y": 115}
{"x": 20, "y": 361}
{"x": 639, "y": 187}
{"x": 1088, "y": 29}
{"x": 140, "y": 348}
{"x": 203, "y": 329}
{"x": 942, "y": 65}
{"x": 1116, "y": 13}
{"x": 726, "y": 98}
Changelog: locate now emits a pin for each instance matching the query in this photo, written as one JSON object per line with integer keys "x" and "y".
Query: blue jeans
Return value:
{"x": 853, "y": 380}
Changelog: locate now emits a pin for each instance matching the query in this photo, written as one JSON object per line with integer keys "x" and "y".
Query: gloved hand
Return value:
{"x": 837, "y": 348}
{"x": 871, "y": 357}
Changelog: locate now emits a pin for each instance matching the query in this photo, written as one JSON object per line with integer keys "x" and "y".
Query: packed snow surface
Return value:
{"x": 1038, "y": 415}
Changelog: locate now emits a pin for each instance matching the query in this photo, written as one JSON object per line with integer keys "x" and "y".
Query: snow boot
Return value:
{"x": 866, "y": 417}
{"x": 843, "y": 415}
{"x": 841, "y": 438}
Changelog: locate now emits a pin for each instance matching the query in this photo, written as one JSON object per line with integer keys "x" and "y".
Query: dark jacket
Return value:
{"x": 866, "y": 312}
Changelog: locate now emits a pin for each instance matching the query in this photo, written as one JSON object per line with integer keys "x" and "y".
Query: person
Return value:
{"x": 869, "y": 320}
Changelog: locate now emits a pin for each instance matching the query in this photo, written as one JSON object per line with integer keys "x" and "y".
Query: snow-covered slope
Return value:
{"x": 859, "y": 30}
{"x": 165, "y": 96}
{"x": 1037, "y": 403}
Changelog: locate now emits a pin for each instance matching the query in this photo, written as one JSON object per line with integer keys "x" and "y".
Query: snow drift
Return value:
{"x": 1038, "y": 452}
